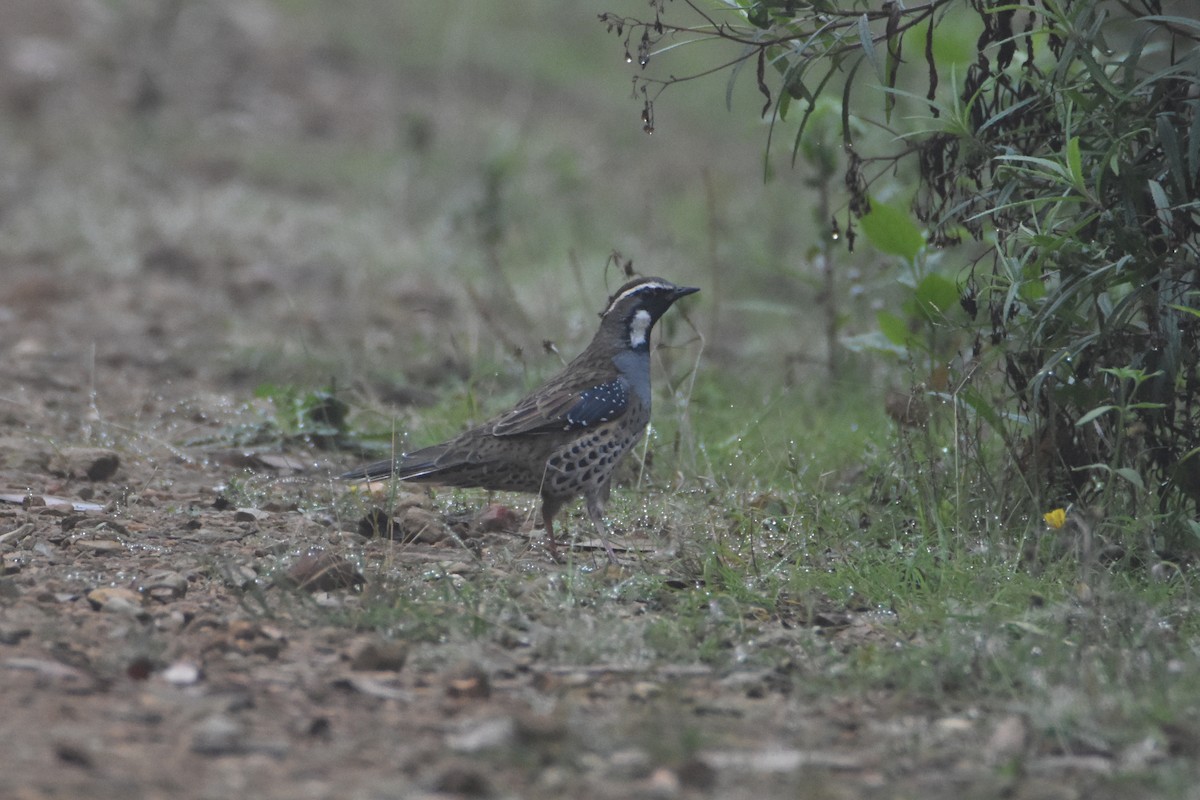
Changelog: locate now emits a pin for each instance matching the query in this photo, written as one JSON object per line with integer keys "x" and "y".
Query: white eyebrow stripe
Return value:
{"x": 634, "y": 290}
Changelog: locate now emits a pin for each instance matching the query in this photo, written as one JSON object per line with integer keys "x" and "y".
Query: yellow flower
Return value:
{"x": 1056, "y": 518}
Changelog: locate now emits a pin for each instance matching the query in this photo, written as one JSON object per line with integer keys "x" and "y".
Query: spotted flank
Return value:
{"x": 585, "y": 465}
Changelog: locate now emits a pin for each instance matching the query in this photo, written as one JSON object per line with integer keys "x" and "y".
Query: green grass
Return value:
{"x": 791, "y": 562}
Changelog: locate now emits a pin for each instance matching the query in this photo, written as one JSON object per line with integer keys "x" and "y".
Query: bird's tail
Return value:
{"x": 378, "y": 471}
{"x": 405, "y": 467}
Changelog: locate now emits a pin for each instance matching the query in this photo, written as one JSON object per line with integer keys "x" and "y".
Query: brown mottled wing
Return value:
{"x": 538, "y": 413}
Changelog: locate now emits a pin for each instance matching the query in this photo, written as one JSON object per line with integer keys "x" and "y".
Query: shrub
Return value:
{"x": 1066, "y": 157}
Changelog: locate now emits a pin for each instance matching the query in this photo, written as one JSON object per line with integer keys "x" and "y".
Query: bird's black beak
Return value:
{"x": 683, "y": 291}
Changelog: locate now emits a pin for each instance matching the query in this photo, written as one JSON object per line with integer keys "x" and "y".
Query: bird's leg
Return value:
{"x": 595, "y": 508}
{"x": 608, "y": 548}
{"x": 549, "y": 509}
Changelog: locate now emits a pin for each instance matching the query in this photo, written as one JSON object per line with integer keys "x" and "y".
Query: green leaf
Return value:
{"x": 1161, "y": 202}
{"x": 1075, "y": 162}
{"x": 1091, "y": 415}
{"x": 973, "y": 399}
{"x": 1183, "y": 22}
{"x": 935, "y": 294}
{"x": 873, "y": 342}
{"x": 893, "y": 327}
{"x": 268, "y": 391}
{"x": 1193, "y": 147}
{"x": 1131, "y": 476}
{"x": 1195, "y": 312}
{"x": 868, "y": 46}
{"x": 1168, "y": 140}
{"x": 891, "y": 230}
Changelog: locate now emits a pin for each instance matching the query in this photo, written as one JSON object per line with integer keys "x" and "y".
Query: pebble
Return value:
{"x": 418, "y": 524}
{"x": 13, "y": 635}
{"x": 93, "y": 463}
{"x": 163, "y": 586}
{"x": 468, "y": 681}
{"x": 250, "y": 515}
{"x": 380, "y": 656}
{"x": 662, "y": 782}
{"x": 238, "y": 576}
{"x": 100, "y": 547}
{"x": 463, "y": 781}
{"x": 498, "y": 518}
{"x": 117, "y": 600}
{"x": 319, "y": 570}
{"x": 480, "y": 735}
{"x": 218, "y": 735}
{"x": 181, "y": 673}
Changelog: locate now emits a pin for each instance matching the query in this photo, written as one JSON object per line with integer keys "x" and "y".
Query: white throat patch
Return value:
{"x": 639, "y": 326}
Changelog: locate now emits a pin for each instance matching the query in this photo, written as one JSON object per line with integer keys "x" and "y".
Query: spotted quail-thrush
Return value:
{"x": 566, "y": 438}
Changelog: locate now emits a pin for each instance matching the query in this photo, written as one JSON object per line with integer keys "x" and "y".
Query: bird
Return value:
{"x": 565, "y": 438}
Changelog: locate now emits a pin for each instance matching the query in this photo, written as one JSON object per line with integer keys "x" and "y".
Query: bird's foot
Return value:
{"x": 552, "y": 549}
{"x": 612, "y": 554}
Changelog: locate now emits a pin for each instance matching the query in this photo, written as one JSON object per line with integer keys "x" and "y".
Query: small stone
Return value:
{"x": 181, "y": 673}
{"x": 379, "y": 656}
{"x": 463, "y": 780}
{"x": 256, "y": 639}
{"x": 49, "y": 552}
{"x": 468, "y": 681}
{"x": 321, "y": 571}
{"x": 375, "y": 523}
{"x": 372, "y": 686}
{"x": 250, "y": 515}
{"x": 13, "y": 635}
{"x": 535, "y": 728}
{"x": 480, "y": 735}
{"x": 417, "y": 524}
{"x": 498, "y": 518}
{"x": 117, "y": 600}
{"x": 662, "y": 782}
{"x": 238, "y": 576}
{"x": 18, "y": 533}
{"x": 696, "y": 773}
{"x": 67, "y": 678}
{"x": 93, "y": 463}
{"x": 100, "y": 547}
{"x": 318, "y": 728}
{"x": 163, "y": 586}
{"x": 218, "y": 735}
{"x": 75, "y": 754}
{"x": 215, "y": 535}
{"x": 140, "y": 668}
{"x": 644, "y": 690}
{"x": 1007, "y": 741}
